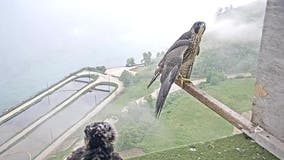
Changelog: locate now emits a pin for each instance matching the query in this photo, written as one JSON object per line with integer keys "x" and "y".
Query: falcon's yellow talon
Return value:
{"x": 187, "y": 80}
{"x": 183, "y": 80}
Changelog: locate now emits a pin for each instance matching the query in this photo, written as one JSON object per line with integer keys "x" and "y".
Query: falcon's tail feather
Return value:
{"x": 164, "y": 90}
{"x": 153, "y": 79}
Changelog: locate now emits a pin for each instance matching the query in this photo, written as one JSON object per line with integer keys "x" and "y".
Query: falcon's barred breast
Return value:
{"x": 191, "y": 52}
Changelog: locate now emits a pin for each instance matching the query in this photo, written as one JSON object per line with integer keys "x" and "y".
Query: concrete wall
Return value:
{"x": 268, "y": 109}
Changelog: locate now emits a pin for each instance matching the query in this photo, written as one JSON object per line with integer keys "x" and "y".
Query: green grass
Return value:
{"x": 185, "y": 120}
{"x": 236, "y": 147}
{"x": 237, "y": 93}
{"x": 62, "y": 154}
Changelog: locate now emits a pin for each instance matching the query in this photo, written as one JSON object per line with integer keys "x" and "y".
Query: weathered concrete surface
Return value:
{"x": 268, "y": 111}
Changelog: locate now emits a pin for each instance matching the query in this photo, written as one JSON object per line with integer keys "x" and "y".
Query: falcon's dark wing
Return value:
{"x": 178, "y": 43}
{"x": 178, "y": 60}
{"x": 173, "y": 61}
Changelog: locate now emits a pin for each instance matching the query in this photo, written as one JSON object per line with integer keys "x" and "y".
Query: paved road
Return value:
{"x": 116, "y": 71}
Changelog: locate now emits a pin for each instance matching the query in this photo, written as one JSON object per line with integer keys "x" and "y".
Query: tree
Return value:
{"x": 214, "y": 77}
{"x": 146, "y": 58}
{"x": 160, "y": 54}
{"x": 127, "y": 78}
{"x": 130, "y": 62}
{"x": 100, "y": 69}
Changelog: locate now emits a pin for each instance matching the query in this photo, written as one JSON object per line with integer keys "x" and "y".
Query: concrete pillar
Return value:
{"x": 268, "y": 111}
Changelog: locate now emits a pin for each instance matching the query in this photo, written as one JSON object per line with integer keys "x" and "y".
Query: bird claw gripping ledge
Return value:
{"x": 183, "y": 80}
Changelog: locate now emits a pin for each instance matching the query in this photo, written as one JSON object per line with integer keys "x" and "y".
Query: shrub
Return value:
{"x": 130, "y": 62}
{"x": 214, "y": 78}
{"x": 127, "y": 78}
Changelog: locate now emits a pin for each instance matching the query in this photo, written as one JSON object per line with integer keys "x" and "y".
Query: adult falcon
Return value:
{"x": 177, "y": 62}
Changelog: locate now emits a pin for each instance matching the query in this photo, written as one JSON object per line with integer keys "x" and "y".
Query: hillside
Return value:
{"x": 232, "y": 44}
{"x": 225, "y": 49}
{"x": 184, "y": 120}
{"x": 228, "y": 48}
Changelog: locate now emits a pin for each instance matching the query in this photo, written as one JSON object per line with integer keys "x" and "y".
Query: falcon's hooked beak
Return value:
{"x": 199, "y": 28}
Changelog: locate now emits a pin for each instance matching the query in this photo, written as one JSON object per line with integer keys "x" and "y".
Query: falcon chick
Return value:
{"x": 99, "y": 138}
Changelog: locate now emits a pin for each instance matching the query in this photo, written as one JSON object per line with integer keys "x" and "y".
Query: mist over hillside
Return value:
{"x": 229, "y": 46}
{"x": 49, "y": 40}
{"x": 233, "y": 42}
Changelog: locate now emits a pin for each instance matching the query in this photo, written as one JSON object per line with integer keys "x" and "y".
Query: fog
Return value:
{"x": 235, "y": 31}
{"x": 44, "y": 41}
{"x": 53, "y": 31}
{"x": 50, "y": 39}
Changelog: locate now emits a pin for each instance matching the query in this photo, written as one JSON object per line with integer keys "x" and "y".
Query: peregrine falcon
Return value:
{"x": 177, "y": 62}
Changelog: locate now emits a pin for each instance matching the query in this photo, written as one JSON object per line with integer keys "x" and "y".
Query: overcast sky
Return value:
{"x": 118, "y": 27}
{"x": 43, "y": 41}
